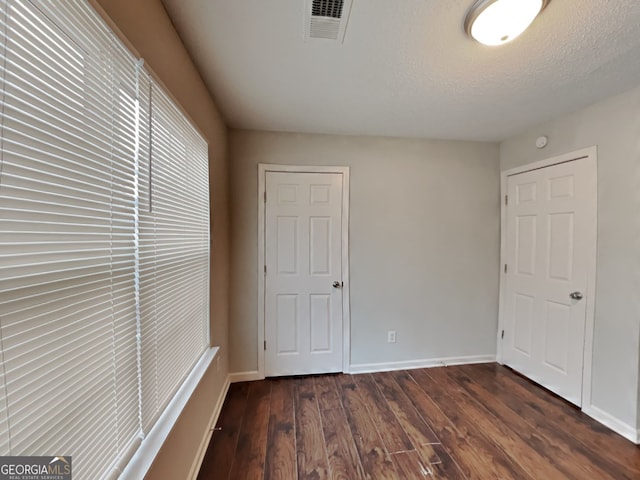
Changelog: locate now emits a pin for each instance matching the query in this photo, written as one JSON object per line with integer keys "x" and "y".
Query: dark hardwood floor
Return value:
{"x": 464, "y": 422}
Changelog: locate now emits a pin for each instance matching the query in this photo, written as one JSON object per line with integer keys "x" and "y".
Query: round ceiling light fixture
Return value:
{"x": 494, "y": 22}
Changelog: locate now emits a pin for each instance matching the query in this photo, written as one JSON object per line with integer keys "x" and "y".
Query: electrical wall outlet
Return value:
{"x": 391, "y": 336}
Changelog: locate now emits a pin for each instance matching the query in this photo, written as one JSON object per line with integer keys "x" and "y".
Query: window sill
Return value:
{"x": 143, "y": 458}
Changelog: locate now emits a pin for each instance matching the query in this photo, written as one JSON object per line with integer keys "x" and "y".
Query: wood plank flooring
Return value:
{"x": 464, "y": 422}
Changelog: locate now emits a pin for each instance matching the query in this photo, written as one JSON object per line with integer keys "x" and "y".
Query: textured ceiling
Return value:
{"x": 406, "y": 67}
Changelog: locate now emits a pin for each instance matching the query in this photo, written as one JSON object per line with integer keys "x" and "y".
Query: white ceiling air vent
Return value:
{"x": 326, "y": 19}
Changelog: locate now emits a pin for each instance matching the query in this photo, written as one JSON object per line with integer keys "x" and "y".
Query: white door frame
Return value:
{"x": 591, "y": 153}
{"x": 263, "y": 168}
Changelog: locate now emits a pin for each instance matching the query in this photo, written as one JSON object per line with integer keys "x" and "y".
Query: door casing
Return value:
{"x": 346, "y": 315}
{"x": 591, "y": 153}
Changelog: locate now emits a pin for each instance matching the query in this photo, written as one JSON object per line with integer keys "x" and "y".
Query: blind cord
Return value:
{"x": 136, "y": 154}
{"x": 4, "y": 16}
{"x": 150, "y": 147}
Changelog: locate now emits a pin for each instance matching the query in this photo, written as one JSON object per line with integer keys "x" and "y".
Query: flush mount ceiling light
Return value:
{"x": 494, "y": 22}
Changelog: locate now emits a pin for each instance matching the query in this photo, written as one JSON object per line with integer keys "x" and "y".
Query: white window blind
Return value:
{"x": 67, "y": 206}
{"x": 174, "y": 257}
{"x": 87, "y": 260}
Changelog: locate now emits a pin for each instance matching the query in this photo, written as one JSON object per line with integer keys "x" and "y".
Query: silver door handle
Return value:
{"x": 337, "y": 284}
{"x": 576, "y": 295}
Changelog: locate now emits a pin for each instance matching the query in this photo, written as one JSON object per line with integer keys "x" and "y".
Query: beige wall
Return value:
{"x": 424, "y": 242}
{"x": 614, "y": 126}
{"x": 148, "y": 29}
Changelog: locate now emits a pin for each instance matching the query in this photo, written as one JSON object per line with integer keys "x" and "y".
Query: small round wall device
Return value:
{"x": 541, "y": 141}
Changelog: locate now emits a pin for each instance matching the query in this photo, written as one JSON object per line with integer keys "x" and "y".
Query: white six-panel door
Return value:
{"x": 550, "y": 245}
{"x": 303, "y": 294}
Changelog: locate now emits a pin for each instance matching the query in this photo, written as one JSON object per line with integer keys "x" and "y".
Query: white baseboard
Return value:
{"x": 424, "y": 363}
{"x": 202, "y": 449}
{"x": 244, "y": 376}
{"x": 615, "y": 424}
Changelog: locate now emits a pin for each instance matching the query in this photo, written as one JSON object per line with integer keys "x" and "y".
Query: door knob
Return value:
{"x": 576, "y": 295}
{"x": 337, "y": 284}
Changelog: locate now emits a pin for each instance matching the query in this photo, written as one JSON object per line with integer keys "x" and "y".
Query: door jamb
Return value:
{"x": 263, "y": 168}
{"x": 591, "y": 154}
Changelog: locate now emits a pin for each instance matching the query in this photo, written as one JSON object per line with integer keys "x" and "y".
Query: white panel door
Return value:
{"x": 550, "y": 244}
{"x": 303, "y": 245}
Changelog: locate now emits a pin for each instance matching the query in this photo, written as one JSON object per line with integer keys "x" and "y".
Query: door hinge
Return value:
{"x": 502, "y": 336}
{"x": 265, "y": 196}
{"x": 506, "y": 199}
{"x": 265, "y": 344}
{"x": 265, "y": 269}
{"x": 505, "y": 268}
